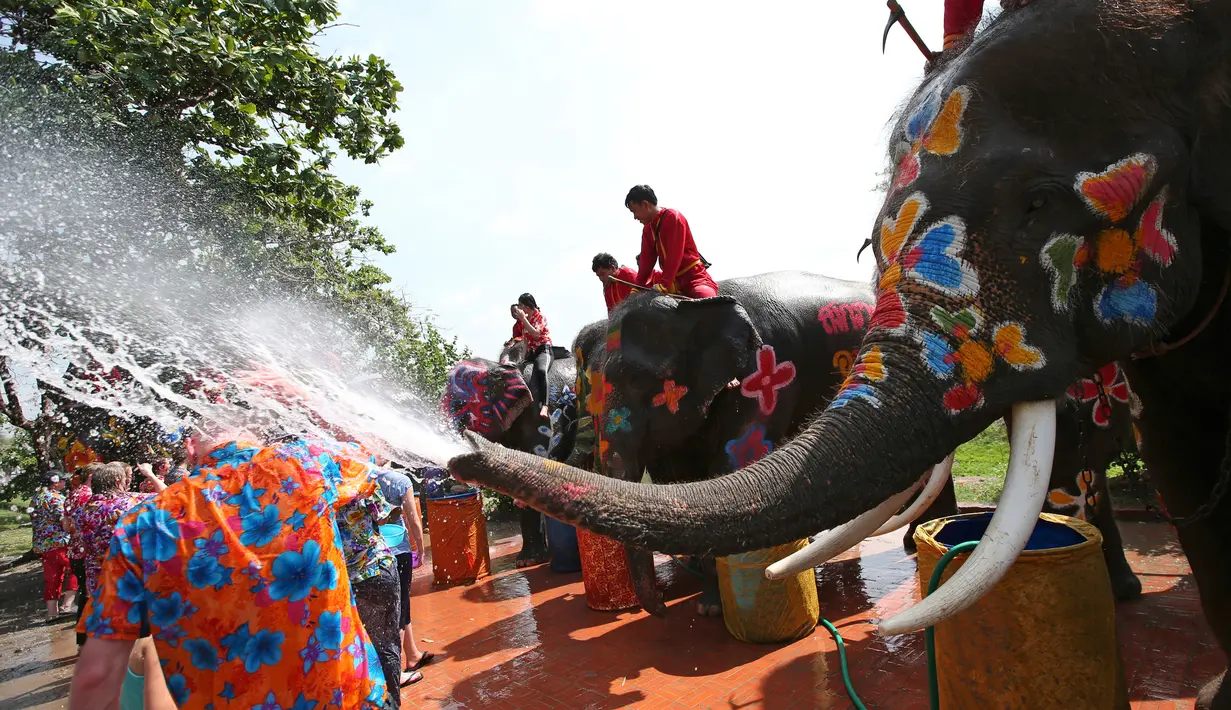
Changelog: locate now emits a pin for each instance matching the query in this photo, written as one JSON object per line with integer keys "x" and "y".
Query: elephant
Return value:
{"x": 491, "y": 399}
{"x": 1037, "y": 225}
{"x": 689, "y": 389}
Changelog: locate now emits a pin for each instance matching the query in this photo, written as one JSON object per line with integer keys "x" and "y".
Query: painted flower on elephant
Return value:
{"x": 769, "y": 377}
{"x": 859, "y": 384}
{"x": 1085, "y": 502}
{"x": 599, "y": 389}
{"x": 960, "y": 350}
{"x": 1107, "y": 385}
{"x": 670, "y": 396}
{"x": 1117, "y": 254}
{"x": 618, "y": 420}
{"x": 749, "y": 447}
{"x": 934, "y": 128}
{"x": 932, "y": 258}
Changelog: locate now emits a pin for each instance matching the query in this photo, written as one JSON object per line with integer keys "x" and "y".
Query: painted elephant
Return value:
{"x": 687, "y": 390}
{"x": 1037, "y": 225}
{"x": 492, "y": 399}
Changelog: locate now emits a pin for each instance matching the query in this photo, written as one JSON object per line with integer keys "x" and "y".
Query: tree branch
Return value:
{"x": 10, "y": 401}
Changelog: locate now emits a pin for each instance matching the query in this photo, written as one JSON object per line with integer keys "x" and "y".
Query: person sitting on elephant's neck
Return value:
{"x": 667, "y": 239}
{"x": 606, "y": 267}
{"x": 531, "y": 327}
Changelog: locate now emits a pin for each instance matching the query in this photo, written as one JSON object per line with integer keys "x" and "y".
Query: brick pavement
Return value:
{"x": 526, "y": 639}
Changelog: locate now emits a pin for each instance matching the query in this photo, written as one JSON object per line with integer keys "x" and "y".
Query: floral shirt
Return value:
{"x": 536, "y": 319}
{"x": 49, "y": 533}
{"x": 95, "y": 522}
{"x": 240, "y": 575}
{"x": 367, "y": 553}
{"x": 76, "y": 499}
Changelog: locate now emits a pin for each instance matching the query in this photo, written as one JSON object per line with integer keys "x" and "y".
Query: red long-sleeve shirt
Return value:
{"x": 614, "y": 292}
{"x": 961, "y": 16}
{"x": 667, "y": 240}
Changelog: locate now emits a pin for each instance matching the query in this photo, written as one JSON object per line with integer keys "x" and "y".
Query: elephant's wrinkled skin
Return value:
{"x": 493, "y": 400}
{"x": 1049, "y": 212}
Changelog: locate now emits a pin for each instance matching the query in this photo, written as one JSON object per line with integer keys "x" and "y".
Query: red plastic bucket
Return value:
{"x": 459, "y": 538}
{"x": 604, "y": 572}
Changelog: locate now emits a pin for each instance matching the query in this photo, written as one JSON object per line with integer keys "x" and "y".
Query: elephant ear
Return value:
{"x": 722, "y": 345}
{"x": 484, "y": 397}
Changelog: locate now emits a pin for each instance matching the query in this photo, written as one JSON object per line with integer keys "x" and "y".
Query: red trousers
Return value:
{"x": 56, "y": 574}
{"x": 696, "y": 283}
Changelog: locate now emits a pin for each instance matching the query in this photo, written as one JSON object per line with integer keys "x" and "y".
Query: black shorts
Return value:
{"x": 405, "y": 571}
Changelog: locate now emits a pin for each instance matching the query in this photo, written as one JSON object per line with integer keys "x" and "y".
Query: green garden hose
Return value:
{"x": 846, "y": 676}
{"x": 930, "y": 634}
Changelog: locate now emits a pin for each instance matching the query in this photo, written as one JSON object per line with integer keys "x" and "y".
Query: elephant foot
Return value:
{"x": 908, "y": 540}
{"x": 1215, "y": 695}
{"x": 531, "y": 556}
{"x": 1125, "y": 585}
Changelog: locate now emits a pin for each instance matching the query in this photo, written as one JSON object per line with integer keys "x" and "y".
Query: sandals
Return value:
{"x": 410, "y": 678}
{"x": 424, "y": 660}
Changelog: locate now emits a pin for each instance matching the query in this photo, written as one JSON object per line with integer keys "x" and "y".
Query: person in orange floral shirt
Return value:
{"x": 238, "y": 572}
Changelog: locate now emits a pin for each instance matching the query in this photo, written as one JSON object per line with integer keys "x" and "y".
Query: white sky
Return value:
{"x": 526, "y": 121}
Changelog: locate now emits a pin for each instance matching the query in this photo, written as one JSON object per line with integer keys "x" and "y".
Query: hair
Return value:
{"x": 639, "y": 193}
{"x": 105, "y": 477}
{"x": 527, "y": 300}
{"x": 604, "y": 260}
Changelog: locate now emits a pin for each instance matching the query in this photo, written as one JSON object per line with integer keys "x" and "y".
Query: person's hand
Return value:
{"x": 153, "y": 481}
{"x": 417, "y": 562}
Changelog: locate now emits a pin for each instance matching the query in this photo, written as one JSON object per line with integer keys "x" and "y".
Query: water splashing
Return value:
{"x": 124, "y": 290}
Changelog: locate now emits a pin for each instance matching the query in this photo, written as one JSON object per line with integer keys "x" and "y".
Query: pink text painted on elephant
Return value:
{"x": 844, "y": 317}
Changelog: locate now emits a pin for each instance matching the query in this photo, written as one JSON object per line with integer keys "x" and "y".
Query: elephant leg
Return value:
{"x": 1124, "y": 582}
{"x": 710, "y": 601}
{"x": 533, "y": 544}
{"x": 945, "y": 504}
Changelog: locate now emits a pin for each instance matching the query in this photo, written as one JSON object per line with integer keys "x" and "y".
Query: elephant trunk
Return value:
{"x": 847, "y": 461}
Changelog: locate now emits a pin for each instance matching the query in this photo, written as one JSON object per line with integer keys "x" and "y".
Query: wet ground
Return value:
{"x": 526, "y": 639}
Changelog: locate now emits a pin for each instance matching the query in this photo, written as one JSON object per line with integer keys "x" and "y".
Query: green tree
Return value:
{"x": 237, "y": 89}
{"x": 18, "y": 465}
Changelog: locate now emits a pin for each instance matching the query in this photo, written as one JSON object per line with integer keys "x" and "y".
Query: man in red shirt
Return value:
{"x": 605, "y": 268}
{"x": 665, "y": 237}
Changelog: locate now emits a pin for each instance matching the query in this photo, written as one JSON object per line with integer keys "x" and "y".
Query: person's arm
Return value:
{"x": 647, "y": 257}
{"x": 148, "y": 471}
{"x": 99, "y": 674}
{"x": 671, "y": 237}
{"x": 414, "y": 523}
{"x": 527, "y": 326}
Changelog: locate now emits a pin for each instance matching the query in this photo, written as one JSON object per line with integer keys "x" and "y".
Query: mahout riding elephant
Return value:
{"x": 492, "y": 399}
{"x": 1038, "y": 224}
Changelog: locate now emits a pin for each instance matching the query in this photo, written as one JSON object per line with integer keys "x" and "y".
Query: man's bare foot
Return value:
{"x": 543, "y": 411}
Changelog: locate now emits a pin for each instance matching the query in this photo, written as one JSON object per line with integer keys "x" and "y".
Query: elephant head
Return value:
{"x": 485, "y": 397}
{"x": 666, "y": 361}
{"x": 1040, "y": 222}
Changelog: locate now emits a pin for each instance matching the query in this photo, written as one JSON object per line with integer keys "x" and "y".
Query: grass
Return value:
{"x": 15, "y": 531}
{"x": 980, "y": 464}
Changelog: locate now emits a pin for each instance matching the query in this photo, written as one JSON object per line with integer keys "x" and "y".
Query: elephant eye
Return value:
{"x": 1037, "y": 203}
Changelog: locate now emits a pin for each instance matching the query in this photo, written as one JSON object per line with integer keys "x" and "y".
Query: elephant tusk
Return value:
{"x": 1032, "y": 447}
{"x": 840, "y": 539}
{"x": 936, "y": 483}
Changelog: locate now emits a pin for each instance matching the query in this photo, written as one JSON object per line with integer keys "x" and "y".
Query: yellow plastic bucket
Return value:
{"x": 760, "y": 610}
{"x": 1044, "y": 636}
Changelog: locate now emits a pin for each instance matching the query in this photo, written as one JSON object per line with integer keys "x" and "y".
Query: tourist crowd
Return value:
{"x": 274, "y": 575}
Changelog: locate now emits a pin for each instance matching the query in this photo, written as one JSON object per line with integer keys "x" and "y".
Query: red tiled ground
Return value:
{"x": 526, "y": 639}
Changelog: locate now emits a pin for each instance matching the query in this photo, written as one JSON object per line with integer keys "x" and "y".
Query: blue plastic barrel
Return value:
{"x": 562, "y": 543}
